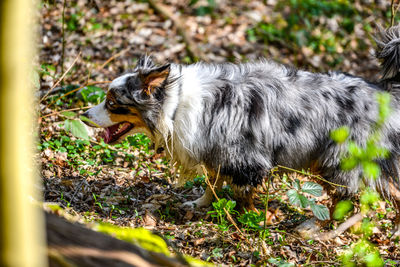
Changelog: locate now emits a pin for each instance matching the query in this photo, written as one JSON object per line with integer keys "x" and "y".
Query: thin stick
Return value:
{"x": 77, "y": 89}
{"x": 393, "y": 12}
{"x": 228, "y": 215}
{"x": 63, "y": 37}
{"x": 266, "y": 206}
{"x": 219, "y": 168}
{"x": 311, "y": 175}
{"x": 57, "y": 112}
{"x": 61, "y": 78}
{"x": 113, "y": 57}
{"x": 343, "y": 227}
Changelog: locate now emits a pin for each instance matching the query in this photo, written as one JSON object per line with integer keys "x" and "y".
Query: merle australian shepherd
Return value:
{"x": 241, "y": 120}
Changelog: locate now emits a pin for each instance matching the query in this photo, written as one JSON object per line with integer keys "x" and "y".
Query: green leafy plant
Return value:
{"x": 219, "y": 213}
{"x": 64, "y": 200}
{"x": 96, "y": 201}
{"x": 203, "y": 10}
{"x": 296, "y": 197}
{"x": 48, "y": 69}
{"x": 72, "y": 21}
{"x": 279, "y": 262}
{"x": 92, "y": 94}
{"x": 251, "y": 220}
{"x": 140, "y": 141}
{"x": 75, "y": 126}
{"x": 216, "y": 253}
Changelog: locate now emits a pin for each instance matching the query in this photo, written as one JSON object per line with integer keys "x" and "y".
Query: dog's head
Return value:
{"x": 133, "y": 102}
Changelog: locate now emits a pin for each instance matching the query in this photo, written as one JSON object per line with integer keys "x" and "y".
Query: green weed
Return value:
{"x": 221, "y": 207}
{"x": 297, "y": 197}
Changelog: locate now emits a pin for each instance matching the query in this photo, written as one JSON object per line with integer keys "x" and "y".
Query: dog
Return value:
{"x": 241, "y": 120}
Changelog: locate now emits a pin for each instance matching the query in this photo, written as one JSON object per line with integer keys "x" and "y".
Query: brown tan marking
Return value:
{"x": 133, "y": 116}
{"x": 154, "y": 79}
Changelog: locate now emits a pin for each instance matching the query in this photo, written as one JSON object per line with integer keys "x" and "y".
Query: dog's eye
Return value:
{"x": 110, "y": 103}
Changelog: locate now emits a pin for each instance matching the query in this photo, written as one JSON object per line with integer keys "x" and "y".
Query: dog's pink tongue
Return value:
{"x": 106, "y": 135}
{"x": 108, "y": 132}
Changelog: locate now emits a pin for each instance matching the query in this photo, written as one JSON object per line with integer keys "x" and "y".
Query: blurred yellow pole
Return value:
{"x": 21, "y": 223}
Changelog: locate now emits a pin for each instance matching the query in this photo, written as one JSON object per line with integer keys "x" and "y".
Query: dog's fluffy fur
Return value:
{"x": 242, "y": 120}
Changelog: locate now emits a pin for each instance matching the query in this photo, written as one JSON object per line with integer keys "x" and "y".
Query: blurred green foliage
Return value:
{"x": 304, "y": 23}
{"x": 364, "y": 156}
{"x": 202, "y": 10}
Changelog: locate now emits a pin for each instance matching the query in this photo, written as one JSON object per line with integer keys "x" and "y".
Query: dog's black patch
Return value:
{"x": 394, "y": 139}
{"x": 278, "y": 149}
{"x": 120, "y": 111}
{"x": 291, "y": 72}
{"x": 292, "y": 123}
{"x": 345, "y": 103}
{"x": 326, "y": 95}
{"x": 249, "y": 174}
{"x": 223, "y": 98}
{"x": 351, "y": 89}
{"x": 256, "y": 105}
{"x": 355, "y": 120}
{"x": 389, "y": 167}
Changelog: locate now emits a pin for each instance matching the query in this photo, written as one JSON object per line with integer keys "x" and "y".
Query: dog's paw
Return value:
{"x": 204, "y": 201}
{"x": 189, "y": 204}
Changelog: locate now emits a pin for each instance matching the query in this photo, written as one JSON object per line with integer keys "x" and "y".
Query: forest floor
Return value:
{"x": 129, "y": 184}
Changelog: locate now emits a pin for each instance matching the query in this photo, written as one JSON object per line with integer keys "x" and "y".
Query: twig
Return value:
{"x": 63, "y": 37}
{"x": 266, "y": 205}
{"x": 77, "y": 89}
{"x": 193, "y": 50}
{"x": 57, "y": 112}
{"x": 113, "y": 57}
{"x": 61, "y": 78}
{"x": 393, "y": 12}
{"x": 228, "y": 215}
{"x": 343, "y": 227}
{"x": 311, "y": 175}
{"x": 41, "y": 93}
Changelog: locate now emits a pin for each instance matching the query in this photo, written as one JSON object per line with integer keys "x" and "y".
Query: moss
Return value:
{"x": 137, "y": 236}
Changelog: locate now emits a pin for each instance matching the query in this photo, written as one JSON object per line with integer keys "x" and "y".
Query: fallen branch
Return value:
{"x": 61, "y": 78}
{"x": 77, "y": 89}
{"x": 343, "y": 227}
{"x": 193, "y": 50}
{"x": 58, "y": 112}
{"x": 113, "y": 57}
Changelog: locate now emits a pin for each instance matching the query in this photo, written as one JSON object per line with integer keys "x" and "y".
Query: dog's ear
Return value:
{"x": 154, "y": 78}
{"x": 145, "y": 61}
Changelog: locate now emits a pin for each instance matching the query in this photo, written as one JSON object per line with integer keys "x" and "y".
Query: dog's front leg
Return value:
{"x": 207, "y": 198}
{"x": 244, "y": 196}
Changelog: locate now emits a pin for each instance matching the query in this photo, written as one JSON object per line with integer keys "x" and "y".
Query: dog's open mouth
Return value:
{"x": 113, "y": 133}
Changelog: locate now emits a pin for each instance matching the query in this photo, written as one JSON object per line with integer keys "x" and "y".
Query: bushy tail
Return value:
{"x": 388, "y": 52}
